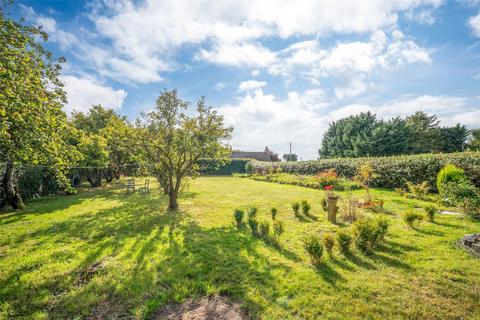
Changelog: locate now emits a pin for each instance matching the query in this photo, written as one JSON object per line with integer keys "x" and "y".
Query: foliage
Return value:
{"x": 296, "y": 208}
{"x": 328, "y": 242}
{"x": 274, "y": 212}
{"x": 455, "y": 193}
{"x": 471, "y": 207}
{"x": 312, "y": 182}
{"x": 381, "y": 228}
{"x": 278, "y": 229}
{"x": 431, "y": 211}
{"x": 212, "y": 167}
{"x": 253, "y": 224}
{"x": 420, "y": 190}
{"x": 314, "y": 248}
{"x": 290, "y": 157}
{"x": 252, "y": 212}
{"x": 365, "y": 175}
{"x": 238, "y": 214}
{"x": 32, "y": 123}
{"x": 173, "y": 142}
{"x": 423, "y": 132}
{"x": 411, "y": 217}
{"x": 449, "y": 173}
{"x": 323, "y": 202}
{"x": 391, "y": 172}
{"x": 264, "y": 228}
{"x": 474, "y": 143}
{"x": 452, "y": 139}
{"x": 344, "y": 241}
{"x": 248, "y": 167}
{"x": 305, "y": 207}
{"x": 368, "y": 233}
{"x": 348, "y": 208}
{"x": 93, "y": 147}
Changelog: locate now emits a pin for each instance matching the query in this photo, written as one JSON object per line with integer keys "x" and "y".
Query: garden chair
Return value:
{"x": 130, "y": 185}
{"x": 145, "y": 188}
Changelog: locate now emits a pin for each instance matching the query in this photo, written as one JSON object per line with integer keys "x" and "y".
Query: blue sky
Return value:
{"x": 279, "y": 71}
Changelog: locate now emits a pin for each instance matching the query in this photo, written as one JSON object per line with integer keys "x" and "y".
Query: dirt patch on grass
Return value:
{"x": 207, "y": 308}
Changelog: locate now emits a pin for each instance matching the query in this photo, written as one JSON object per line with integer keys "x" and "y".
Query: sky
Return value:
{"x": 279, "y": 71}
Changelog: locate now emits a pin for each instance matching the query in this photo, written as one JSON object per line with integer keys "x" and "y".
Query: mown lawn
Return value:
{"x": 105, "y": 254}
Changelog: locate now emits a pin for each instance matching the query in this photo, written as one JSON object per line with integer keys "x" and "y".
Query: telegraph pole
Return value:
{"x": 290, "y": 156}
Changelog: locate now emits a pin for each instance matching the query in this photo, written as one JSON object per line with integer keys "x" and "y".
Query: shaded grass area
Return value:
{"x": 105, "y": 254}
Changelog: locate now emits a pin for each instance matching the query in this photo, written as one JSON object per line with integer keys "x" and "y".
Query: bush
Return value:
{"x": 264, "y": 228}
{"x": 366, "y": 235}
{"x": 305, "y": 207}
{"x": 314, "y": 248}
{"x": 449, "y": 173}
{"x": 411, "y": 217}
{"x": 248, "y": 167}
{"x": 391, "y": 172}
{"x": 455, "y": 193}
{"x": 238, "y": 214}
{"x": 381, "y": 228}
{"x": 218, "y": 167}
{"x": 344, "y": 240}
{"x": 252, "y": 212}
{"x": 349, "y": 209}
{"x": 431, "y": 211}
{"x": 471, "y": 207}
{"x": 323, "y": 202}
{"x": 296, "y": 208}
{"x": 419, "y": 190}
{"x": 274, "y": 212}
{"x": 328, "y": 242}
{"x": 278, "y": 229}
{"x": 253, "y": 224}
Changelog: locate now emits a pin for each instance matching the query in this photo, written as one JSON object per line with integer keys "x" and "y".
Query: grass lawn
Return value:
{"x": 107, "y": 254}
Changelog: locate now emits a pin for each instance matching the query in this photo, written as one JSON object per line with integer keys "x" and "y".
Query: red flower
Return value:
{"x": 330, "y": 187}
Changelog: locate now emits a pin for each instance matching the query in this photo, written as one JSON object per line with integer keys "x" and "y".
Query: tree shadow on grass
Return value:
{"x": 328, "y": 274}
{"x": 362, "y": 263}
{"x": 152, "y": 257}
{"x": 423, "y": 231}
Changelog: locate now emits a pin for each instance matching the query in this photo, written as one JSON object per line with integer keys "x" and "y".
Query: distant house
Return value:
{"x": 265, "y": 155}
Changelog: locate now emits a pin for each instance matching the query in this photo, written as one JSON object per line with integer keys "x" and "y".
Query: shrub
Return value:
{"x": 400, "y": 191}
{"x": 238, "y": 214}
{"x": 344, "y": 240}
{"x": 349, "y": 209}
{"x": 305, "y": 207}
{"x": 278, "y": 229}
{"x": 454, "y": 193}
{"x": 274, "y": 212}
{"x": 323, "y": 202}
{"x": 411, "y": 217}
{"x": 431, "y": 210}
{"x": 471, "y": 207}
{"x": 264, "y": 228}
{"x": 253, "y": 224}
{"x": 328, "y": 242}
{"x": 249, "y": 167}
{"x": 419, "y": 190}
{"x": 218, "y": 167}
{"x": 365, "y": 235}
{"x": 252, "y": 212}
{"x": 449, "y": 173}
{"x": 296, "y": 208}
{"x": 365, "y": 175}
{"x": 381, "y": 228}
{"x": 314, "y": 248}
{"x": 391, "y": 171}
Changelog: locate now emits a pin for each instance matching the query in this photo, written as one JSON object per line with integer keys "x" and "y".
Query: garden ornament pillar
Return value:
{"x": 332, "y": 208}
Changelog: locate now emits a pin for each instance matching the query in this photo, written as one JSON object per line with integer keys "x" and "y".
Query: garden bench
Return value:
{"x": 130, "y": 185}
{"x": 145, "y": 188}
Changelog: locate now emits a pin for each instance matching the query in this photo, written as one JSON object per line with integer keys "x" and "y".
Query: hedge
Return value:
{"x": 392, "y": 172}
{"x": 211, "y": 167}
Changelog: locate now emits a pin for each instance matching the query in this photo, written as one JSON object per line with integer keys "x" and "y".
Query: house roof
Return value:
{"x": 260, "y": 156}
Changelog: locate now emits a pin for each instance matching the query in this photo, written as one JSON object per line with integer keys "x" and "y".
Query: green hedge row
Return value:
{"x": 392, "y": 172}
{"x": 211, "y": 167}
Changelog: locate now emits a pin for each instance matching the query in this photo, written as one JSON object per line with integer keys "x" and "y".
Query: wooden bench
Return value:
{"x": 145, "y": 188}
{"x": 130, "y": 185}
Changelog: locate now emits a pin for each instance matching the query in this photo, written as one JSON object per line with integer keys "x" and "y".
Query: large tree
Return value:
{"x": 453, "y": 139}
{"x": 474, "y": 143}
{"x": 173, "y": 141}
{"x": 424, "y": 134}
{"x": 32, "y": 123}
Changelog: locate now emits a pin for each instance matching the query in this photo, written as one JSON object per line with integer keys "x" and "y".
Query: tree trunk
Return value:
{"x": 173, "y": 204}
{"x": 11, "y": 190}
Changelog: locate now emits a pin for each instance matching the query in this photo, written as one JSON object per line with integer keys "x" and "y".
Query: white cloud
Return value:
{"x": 220, "y": 86}
{"x": 474, "y": 23}
{"x": 255, "y": 73}
{"x": 261, "y": 119}
{"x": 238, "y": 55}
{"x": 251, "y": 85}
{"x": 84, "y": 92}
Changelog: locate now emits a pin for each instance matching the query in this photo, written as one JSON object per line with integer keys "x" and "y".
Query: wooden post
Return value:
{"x": 332, "y": 209}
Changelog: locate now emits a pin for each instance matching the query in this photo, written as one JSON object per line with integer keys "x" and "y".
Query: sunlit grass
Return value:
{"x": 142, "y": 257}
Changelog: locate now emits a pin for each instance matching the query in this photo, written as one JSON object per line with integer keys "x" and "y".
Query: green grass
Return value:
{"x": 150, "y": 258}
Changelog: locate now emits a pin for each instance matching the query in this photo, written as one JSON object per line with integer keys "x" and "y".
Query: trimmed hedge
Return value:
{"x": 392, "y": 172}
{"x": 211, "y": 167}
